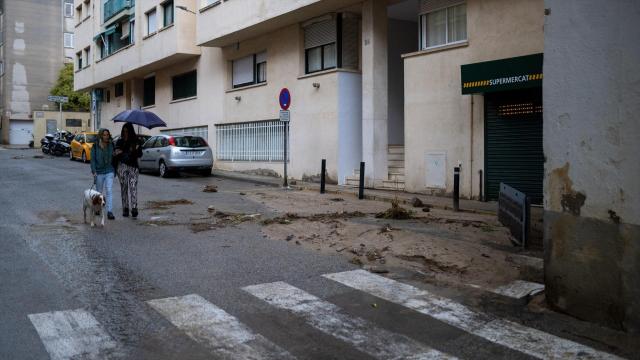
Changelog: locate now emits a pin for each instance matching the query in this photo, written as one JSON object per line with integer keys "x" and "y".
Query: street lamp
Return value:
{"x": 185, "y": 9}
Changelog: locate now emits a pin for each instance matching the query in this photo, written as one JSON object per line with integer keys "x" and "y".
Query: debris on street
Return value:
{"x": 165, "y": 204}
{"x": 210, "y": 188}
{"x": 395, "y": 212}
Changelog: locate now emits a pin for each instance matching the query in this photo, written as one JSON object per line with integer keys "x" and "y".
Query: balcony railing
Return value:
{"x": 113, "y": 7}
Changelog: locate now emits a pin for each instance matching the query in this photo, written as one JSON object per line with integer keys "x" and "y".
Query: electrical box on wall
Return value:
{"x": 436, "y": 170}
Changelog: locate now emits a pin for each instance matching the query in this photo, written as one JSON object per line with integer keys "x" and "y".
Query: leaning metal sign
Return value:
{"x": 513, "y": 212}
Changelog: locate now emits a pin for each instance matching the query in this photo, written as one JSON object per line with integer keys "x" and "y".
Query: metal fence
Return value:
{"x": 250, "y": 141}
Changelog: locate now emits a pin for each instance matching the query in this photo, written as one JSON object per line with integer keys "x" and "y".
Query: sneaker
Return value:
{"x": 125, "y": 212}
{"x": 110, "y": 216}
{"x": 134, "y": 212}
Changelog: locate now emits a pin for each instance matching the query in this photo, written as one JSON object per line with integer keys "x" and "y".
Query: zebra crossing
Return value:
{"x": 76, "y": 334}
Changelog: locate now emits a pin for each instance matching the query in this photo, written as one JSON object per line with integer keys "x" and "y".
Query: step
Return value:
{"x": 395, "y": 157}
{"x": 396, "y": 169}
{"x": 351, "y": 182}
{"x": 395, "y": 149}
{"x": 396, "y": 177}
{"x": 392, "y": 185}
{"x": 395, "y": 163}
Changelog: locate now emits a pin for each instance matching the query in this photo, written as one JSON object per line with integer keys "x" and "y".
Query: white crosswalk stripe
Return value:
{"x": 217, "y": 330}
{"x": 326, "y": 317}
{"x": 73, "y": 334}
{"x": 509, "y": 334}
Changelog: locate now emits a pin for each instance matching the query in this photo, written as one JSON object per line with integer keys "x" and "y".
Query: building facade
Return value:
{"x": 373, "y": 81}
{"x": 36, "y": 40}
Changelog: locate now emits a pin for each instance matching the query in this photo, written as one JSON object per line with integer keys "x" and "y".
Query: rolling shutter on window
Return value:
{"x": 427, "y": 6}
{"x": 261, "y": 57}
{"x": 243, "y": 70}
{"x": 320, "y": 33}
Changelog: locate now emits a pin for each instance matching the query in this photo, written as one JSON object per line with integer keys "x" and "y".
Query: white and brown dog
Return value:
{"x": 94, "y": 202}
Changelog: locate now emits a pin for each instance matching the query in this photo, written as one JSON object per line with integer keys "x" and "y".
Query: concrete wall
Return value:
{"x": 403, "y": 39}
{"x": 591, "y": 132}
{"x": 33, "y": 56}
{"x": 316, "y": 113}
{"x": 40, "y": 122}
{"x": 437, "y": 117}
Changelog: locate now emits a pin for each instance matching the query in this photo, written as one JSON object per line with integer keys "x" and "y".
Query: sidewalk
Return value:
{"x": 369, "y": 194}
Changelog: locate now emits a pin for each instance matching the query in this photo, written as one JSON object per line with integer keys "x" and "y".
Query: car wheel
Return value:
{"x": 206, "y": 172}
{"x": 84, "y": 157}
{"x": 162, "y": 170}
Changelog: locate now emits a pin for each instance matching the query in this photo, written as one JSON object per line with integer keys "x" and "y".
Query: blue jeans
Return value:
{"x": 106, "y": 180}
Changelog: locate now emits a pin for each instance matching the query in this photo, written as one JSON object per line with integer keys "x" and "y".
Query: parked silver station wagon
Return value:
{"x": 169, "y": 154}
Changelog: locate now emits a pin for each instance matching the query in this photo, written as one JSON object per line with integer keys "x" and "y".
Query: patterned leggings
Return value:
{"x": 128, "y": 176}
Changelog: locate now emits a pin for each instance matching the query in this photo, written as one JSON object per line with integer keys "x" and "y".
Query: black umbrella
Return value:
{"x": 140, "y": 117}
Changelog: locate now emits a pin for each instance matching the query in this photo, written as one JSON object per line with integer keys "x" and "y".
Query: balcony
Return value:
{"x": 114, "y": 7}
{"x": 232, "y": 21}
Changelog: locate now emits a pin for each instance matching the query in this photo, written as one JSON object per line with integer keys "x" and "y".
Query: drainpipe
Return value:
{"x": 471, "y": 152}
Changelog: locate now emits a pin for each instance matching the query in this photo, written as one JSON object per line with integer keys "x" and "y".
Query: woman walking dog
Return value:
{"x": 102, "y": 168}
{"x": 126, "y": 154}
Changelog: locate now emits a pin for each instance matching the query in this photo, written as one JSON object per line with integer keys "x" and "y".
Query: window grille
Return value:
{"x": 250, "y": 141}
{"x": 202, "y": 131}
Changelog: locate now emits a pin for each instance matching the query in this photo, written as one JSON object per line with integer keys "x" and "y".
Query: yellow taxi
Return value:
{"x": 81, "y": 146}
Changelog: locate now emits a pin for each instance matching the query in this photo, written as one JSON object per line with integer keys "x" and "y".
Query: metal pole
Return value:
{"x": 361, "y": 184}
{"x": 481, "y": 190}
{"x": 323, "y": 173}
{"x": 456, "y": 188}
{"x": 286, "y": 127}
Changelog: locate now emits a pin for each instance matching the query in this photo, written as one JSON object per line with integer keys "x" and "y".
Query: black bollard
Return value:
{"x": 323, "y": 173}
{"x": 361, "y": 185}
{"x": 456, "y": 188}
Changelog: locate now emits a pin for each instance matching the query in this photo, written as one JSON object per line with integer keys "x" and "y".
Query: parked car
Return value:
{"x": 141, "y": 139}
{"x": 168, "y": 154}
{"x": 81, "y": 146}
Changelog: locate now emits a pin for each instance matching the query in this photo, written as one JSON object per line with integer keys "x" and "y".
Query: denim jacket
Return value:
{"x": 101, "y": 159}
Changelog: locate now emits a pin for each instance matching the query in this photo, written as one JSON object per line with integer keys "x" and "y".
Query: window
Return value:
{"x": 73, "y": 122}
{"x": 250, "y": 141}
{"x": 79, "y": 14}
{"x": 167, "y": 10}
{"x": 443, "y": 26}
{"x": 149, "y": 91}
{"x": 152, "y": 24}
{"x": 202, "y": 131}
{"x": 87, "y": 56}
{"x": 249, "y": 70}
{"x": 79, "y": 60}
{"x": 68, "y": 8}
{"x": 1, "y": 68}
{"x": 119, "y": 89}
{"x": 68, "y": 40}
{"x": 108, "y": 95}
{"x": 206, "y": 3}
{"x": 332, "y": 42}
{"x": 132, "y": 27}
{"x": 185, "y": 85}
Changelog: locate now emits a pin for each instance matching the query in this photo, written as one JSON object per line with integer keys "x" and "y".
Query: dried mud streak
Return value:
{"x": 324, "y": 218}
{"x": 164, "y": 204}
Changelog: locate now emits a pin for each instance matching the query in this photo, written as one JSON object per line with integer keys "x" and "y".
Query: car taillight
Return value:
{"x": 172, "y": 141}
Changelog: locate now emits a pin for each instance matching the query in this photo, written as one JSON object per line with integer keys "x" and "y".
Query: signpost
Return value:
{"x": 285, "y": 101}
{"x": 60, "y": 100}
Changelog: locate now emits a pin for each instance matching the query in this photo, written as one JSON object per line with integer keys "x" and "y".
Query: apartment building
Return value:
{"x": 413, "y": 88}
{"x": 36, "y": 40}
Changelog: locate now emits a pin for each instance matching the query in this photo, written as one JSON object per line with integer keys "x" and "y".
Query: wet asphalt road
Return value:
{"x": 51, "y": 261}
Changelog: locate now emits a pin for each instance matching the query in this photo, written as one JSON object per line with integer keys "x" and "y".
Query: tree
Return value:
{"x": 78, "y": 101}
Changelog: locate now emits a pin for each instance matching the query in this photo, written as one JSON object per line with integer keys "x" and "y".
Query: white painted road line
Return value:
{"x": 326, "y": 317}
{"x": 509, "y": 334}
{"x": 215, "y": 329}
{"x": 519, "y": 289}
{"x": 73, "y": 334}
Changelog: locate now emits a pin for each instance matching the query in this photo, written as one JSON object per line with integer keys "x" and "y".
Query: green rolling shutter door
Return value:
{"x": 513, "y": 142}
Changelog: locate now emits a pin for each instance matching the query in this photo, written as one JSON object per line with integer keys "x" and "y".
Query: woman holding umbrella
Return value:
{"x": 127, "y": 151}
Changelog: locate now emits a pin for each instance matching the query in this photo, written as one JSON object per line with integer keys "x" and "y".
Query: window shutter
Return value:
{"x": 261, "y": 57}
{"x": 320, "y": 33}
{"x": 427, "y": 6}
{"x": 350, "y": 41}
{"x": 243, "y": 70}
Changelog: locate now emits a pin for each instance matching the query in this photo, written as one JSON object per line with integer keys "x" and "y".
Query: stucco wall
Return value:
{"x": 591, "y": 132}
{"x": 314, "y": 111}
{"x": 437, "y": 116}
{"x": 40, "y": 122}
